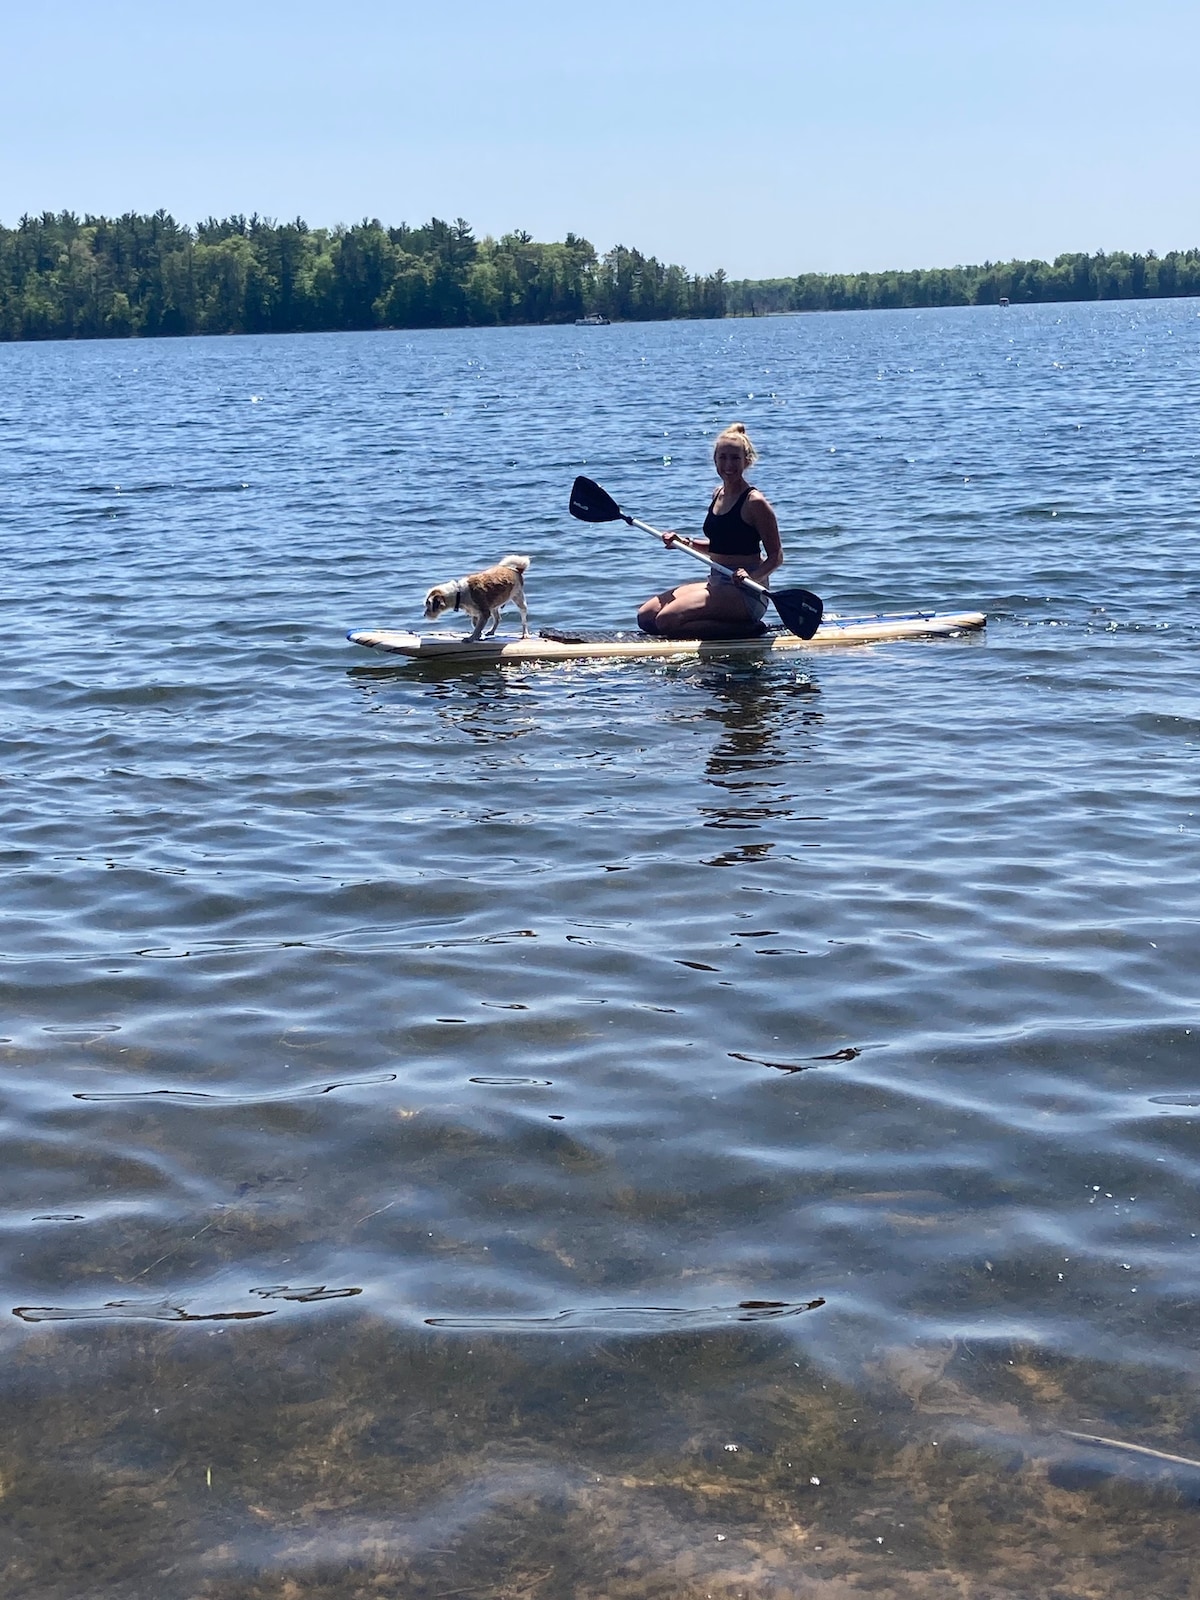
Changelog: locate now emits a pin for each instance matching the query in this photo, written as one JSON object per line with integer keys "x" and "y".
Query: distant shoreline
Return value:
{"x": 149, "y": 276}
{"x": 1106, "y": 275}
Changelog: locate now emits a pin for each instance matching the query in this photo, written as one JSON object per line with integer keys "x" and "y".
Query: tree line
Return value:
{"x": 1105, "y": 275}
{"x": 65, "y": 277}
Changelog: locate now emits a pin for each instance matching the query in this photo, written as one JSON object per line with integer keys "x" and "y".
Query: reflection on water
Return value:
{"x": 767, "y": 724}
{"x": 420, "y": 1173}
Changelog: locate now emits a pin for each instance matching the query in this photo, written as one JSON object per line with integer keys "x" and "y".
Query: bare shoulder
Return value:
{"x": 758, "y": 507}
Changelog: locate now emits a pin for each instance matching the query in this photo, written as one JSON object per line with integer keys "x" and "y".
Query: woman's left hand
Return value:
{"x": 740, "y": 575}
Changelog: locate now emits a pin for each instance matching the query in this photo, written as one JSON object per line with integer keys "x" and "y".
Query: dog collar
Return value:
{"x": 458, "y": 594}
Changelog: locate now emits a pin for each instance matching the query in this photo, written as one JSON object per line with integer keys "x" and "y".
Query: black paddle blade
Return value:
{"x": 799, "y": 610}
{"x": 590, "y": 503}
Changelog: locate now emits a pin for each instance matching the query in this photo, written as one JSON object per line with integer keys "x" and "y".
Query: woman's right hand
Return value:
{"x": 671, "y": 537}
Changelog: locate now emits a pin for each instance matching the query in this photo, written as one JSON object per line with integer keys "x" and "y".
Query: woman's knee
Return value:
{"x": 647, "y": 617}
{"x": 674, "y": 619}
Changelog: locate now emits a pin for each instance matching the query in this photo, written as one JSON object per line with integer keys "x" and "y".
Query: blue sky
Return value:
{"x": 763, "y": 137}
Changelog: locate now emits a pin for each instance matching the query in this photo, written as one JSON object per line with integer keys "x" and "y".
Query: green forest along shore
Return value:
{"x": 65, "y": 277}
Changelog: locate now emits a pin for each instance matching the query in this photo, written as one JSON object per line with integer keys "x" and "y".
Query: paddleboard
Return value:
{"x": 568, "y": 645}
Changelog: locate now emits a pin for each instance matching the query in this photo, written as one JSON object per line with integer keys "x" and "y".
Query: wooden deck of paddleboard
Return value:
{"x": 835, "y": 631}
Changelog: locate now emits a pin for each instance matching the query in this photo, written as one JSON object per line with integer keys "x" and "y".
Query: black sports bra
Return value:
{"x": 731, "y": 539}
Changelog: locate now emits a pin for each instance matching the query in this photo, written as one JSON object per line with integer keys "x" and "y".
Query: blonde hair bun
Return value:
{"x": 736, "y": 433}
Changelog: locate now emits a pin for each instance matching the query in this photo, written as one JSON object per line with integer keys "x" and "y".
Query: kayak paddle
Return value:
{"x": 799, "y": 609}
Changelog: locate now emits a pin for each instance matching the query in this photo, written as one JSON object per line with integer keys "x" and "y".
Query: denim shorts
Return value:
{"x": 756, "y": 604}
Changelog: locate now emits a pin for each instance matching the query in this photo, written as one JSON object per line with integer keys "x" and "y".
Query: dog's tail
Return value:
{"x": 518, "y": 562}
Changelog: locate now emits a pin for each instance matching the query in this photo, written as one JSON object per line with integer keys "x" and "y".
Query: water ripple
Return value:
{"x": 204, "y": 1095}
{"x": 638, "y": 905}
{"x": 635, "y": 1319}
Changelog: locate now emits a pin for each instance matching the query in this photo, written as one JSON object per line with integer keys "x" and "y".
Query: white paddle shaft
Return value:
{"x": 747, "y": 583}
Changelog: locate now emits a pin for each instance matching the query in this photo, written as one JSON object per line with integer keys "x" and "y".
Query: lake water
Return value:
{"x": 608, "y": 1129}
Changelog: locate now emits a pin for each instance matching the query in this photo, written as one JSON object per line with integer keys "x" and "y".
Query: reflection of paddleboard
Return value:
{"x": 567, "y": 645}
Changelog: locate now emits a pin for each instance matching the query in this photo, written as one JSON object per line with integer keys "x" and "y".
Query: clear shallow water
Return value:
{"x": 442, "y": 1114}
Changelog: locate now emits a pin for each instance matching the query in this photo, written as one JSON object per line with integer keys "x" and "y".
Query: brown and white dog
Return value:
{"x": 482, "y": 595}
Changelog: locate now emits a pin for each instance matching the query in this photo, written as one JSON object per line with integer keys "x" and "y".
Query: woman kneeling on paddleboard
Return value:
{"x": 741, "y": 533}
